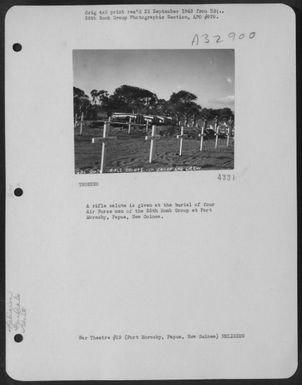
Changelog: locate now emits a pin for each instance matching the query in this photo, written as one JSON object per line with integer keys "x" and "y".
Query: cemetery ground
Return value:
{"x": 130, "y": 152}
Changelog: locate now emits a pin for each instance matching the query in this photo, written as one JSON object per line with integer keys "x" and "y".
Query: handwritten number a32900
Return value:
{"x": 205, "y": 38}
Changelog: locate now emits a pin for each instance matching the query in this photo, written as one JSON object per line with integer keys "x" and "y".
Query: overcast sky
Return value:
{"x": 207, "y": 73}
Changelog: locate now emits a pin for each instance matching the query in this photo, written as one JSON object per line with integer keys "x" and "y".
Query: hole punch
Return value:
{"x": 17, "y": 47}
{"x": 18, "y": 191}
{"x": 18, "y": 338}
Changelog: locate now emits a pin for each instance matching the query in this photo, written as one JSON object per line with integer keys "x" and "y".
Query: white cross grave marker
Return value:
{"x": 152, "y": 144}
{"x": 129, "y": 125}
{"x": 104, "y": 140}
{"x": 202, "y": 135}
{"x": 229, "y": 132}
{"x": 228, "y": 136}
{"x": 81, "y": 123}
{"x": 180, "y": 137}
{"x": 216, "y": 129}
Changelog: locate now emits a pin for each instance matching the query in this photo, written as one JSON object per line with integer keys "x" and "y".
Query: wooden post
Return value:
{"x": 152, "y": 144}
{"x": 147, "y": 126}
{"x": 180, "y": 137}
{"x": 104, "y": 140}
{"x": 81, "y": 123}
{"x": 202, "y": 135}
{"x": 216, "y": 129}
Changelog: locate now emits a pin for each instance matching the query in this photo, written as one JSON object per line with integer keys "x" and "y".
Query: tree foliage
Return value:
{"x": 137, "y": 99}
{"x": 181, "y": 106}
{"x": 81, "y": 102}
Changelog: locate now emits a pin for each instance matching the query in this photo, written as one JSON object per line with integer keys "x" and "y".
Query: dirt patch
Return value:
{"x": 130, "y": 153}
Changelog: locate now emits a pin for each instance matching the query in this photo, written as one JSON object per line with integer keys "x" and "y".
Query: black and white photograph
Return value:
{"x": 153, "y": 110}
{"x": 141, "y": 242}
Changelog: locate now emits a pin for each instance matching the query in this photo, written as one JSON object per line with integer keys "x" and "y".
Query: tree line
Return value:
{"x": 182, "y": 106}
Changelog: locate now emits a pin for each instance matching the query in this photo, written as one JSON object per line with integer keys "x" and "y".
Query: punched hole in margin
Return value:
{"x": 17, "y": 47}
{"x": 18, "y": 338}
{"x": 18, "y": 192}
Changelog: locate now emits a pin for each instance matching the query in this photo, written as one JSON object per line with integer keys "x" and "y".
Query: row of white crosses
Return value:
{"x": 217, "y": 131}
{"x": 153, "y": 138}
{"x": 201, "y": 135}
{"x": 181, "y": 137}
{"x": 105, "y": 139}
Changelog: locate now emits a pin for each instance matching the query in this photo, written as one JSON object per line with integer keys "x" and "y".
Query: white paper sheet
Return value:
{"x": 209, "y": 293}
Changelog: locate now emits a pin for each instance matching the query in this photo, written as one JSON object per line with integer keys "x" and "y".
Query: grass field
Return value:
{"x": 130, "y": 153}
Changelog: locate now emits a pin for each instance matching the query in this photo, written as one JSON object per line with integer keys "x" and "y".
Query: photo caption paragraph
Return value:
{"x": 139, "y": 211}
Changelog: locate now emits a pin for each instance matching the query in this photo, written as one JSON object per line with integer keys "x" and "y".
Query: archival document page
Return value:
{"x": 150, "y": 192}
